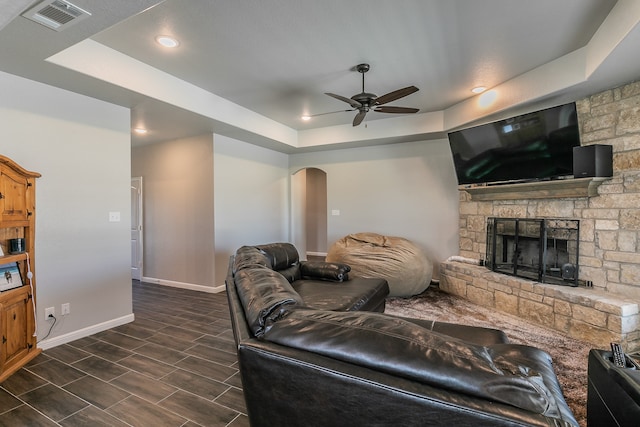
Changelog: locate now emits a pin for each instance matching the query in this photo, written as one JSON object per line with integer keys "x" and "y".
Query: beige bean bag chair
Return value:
{"x": 402, "y": 263}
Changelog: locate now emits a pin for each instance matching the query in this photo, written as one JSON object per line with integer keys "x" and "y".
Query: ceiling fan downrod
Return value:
{"x": 362, "y": 68}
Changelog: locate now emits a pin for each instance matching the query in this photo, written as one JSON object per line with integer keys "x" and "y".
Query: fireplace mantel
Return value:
{"x": 562, "y": 188}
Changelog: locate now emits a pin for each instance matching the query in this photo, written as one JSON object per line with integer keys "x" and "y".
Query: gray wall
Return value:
{"x": 251, "y": 198}
{"x": 178, "y": 225}
{"x": 81, "y": 146}
{"x": 406, "y": 190}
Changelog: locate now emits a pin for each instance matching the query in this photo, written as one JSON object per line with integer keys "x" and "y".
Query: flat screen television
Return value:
{"x": 533, "y": 146}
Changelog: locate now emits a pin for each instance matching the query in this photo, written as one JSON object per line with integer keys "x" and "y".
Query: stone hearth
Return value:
{"x": 586, "y": 314}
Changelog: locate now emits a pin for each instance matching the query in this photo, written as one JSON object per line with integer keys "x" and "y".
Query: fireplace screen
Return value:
{"x": 545, "y": 250}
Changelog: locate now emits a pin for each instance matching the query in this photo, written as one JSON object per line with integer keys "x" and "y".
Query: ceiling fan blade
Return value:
{"x": 396, "y": 94}
{"x": 398, "y": 110}
{"x": 354, "y": 104}
{"x": 359, "y": 117}
{"x": 330, "y": 112}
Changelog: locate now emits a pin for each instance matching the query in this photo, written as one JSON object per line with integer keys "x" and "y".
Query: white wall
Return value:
{"x": 406, "y": 190}
{"x": 81, "y": 146}
{"x": 251, "y": 198}
{"x": 178, "y": 211}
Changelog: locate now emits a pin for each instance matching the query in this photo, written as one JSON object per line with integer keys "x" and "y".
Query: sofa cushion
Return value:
{"x": 334, "y": 271}
{"x": 249, "y": 257}
{"x": 265, "y": 295}
{"x": 291, "y": 273}
{"x": 352, "y": 295}
{"x": 281, "y": 255}
{"x": 418, "y": 354}
{"x": 472, "y": 334}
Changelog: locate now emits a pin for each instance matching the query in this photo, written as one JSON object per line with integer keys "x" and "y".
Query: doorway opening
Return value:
{"x": 309, "y": 212}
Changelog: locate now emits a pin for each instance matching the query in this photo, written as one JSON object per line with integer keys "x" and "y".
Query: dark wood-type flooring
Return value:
{"x": 175, "y": 365}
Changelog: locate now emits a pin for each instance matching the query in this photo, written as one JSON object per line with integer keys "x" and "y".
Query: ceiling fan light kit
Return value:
{"x": 364, "y": 102}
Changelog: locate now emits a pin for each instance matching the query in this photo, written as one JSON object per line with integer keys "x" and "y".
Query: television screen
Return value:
{"x": 533, "y": 146}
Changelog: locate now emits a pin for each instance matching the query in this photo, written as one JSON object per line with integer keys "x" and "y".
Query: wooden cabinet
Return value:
{"x": 16, "y": 317}
{"x": 17, "y": 221}
{"x": 14, "y": 196}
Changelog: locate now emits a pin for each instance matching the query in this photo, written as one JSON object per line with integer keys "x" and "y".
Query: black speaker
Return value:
{"x": 593, "y": 160}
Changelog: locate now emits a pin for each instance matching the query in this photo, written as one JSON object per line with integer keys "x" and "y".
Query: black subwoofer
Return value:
{"x": 593, "y": 161}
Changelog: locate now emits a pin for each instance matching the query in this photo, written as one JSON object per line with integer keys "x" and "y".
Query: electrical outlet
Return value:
{"x": 49, "y": 312}
{"x": 114, "y": 216}
{"x": 65, "y": 308}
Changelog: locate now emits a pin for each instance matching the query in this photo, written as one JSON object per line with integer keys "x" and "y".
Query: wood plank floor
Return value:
{"x": 175, "y": 365}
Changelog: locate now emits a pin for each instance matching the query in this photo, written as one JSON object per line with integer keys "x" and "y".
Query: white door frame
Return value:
{"x": 137, "y": 244}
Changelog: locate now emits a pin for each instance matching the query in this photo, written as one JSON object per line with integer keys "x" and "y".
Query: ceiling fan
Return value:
{"x": 364, "y": 102}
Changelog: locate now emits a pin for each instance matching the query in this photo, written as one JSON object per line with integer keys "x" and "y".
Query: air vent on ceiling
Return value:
{"x": 56, "y": 14}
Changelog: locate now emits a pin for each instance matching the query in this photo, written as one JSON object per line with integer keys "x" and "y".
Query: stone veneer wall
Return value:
{"x": 609, "y": 222}
{"x": 583, "y": 313}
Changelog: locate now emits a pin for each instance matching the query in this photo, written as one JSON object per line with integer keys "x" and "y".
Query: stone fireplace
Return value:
{"x": 608, "y": 211}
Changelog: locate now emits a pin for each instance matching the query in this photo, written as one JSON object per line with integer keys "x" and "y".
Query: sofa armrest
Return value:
{"x": 322, "y": 270}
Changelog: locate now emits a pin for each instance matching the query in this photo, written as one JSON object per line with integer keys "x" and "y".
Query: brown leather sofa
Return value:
{"x": 315, "y": 353}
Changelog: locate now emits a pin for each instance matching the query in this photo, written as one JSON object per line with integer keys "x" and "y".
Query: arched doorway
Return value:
{"x": 309, "y": 211}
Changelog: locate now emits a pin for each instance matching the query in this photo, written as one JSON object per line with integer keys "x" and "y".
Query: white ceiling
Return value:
{"x": 277, "y": 58}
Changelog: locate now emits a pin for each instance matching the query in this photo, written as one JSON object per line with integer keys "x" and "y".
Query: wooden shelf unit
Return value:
{"x": 17, "y": 306}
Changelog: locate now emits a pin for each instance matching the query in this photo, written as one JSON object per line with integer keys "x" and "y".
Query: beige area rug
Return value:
{"x": 569, "y": 355}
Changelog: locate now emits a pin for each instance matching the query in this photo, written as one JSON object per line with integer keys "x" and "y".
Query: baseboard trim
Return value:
{"x": 85, "y": 332}
{"x": 317, "y": 253}
{"x": 182, "y": 285}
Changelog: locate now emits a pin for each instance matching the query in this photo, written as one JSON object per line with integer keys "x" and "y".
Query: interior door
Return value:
{"x": 136, "y": 228}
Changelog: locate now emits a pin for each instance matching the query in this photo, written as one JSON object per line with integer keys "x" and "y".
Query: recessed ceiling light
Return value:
{"x": 478, "y": 89}
{"x": 140, "y": 131}
{"x": 167, "y": 41}
{"x": 306, "y": 118}
{"x": 488, "y": 98}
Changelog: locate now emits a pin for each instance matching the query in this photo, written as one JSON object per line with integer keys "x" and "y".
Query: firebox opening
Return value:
{"x": 544, "y": 250}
